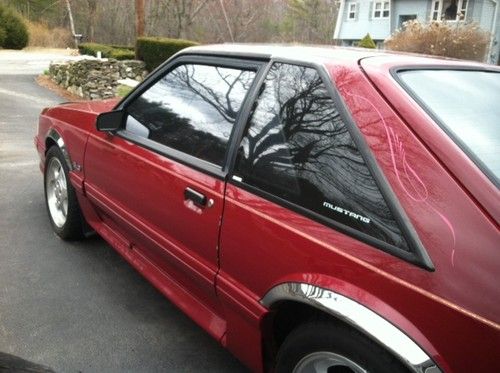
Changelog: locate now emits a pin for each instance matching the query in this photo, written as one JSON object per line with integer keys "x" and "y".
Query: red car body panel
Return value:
{"x": 218, "y": 264}
{"x": 453, "y": 158}
{"x": 154, "y": 214}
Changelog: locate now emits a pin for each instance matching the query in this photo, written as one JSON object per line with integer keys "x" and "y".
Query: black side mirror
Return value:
{"x": 111, "y": 121}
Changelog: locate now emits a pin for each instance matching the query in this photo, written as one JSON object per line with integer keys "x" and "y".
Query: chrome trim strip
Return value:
{"x": 54, "y": 135}
{"x": 360, "y": 317}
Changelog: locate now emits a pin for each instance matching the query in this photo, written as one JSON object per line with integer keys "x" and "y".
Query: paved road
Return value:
{"x": 32, "y": 61}
{"x": 76, "y": 307}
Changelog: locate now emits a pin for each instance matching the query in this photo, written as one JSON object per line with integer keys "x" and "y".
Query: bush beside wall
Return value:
{"x": 107, "y": 51}
{"x": 3, "y": 36}
{"x": 16, "y": 33}
{"x": 154, "y": 51}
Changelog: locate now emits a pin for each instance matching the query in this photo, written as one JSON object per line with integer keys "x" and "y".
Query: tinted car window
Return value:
{"x": 298, "y": 148}
{"x": 192, "y": 109}
{"x": 467, "y": 105}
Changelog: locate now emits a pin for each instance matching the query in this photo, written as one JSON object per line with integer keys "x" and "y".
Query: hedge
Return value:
{"x": 154, "y": 51}
{"x": 3, "y": 36}
{"x": 15, "y": 35}
{"x": 107, "y": 51}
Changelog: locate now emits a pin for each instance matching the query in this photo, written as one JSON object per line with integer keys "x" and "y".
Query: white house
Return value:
{"x": 356, "y": 18}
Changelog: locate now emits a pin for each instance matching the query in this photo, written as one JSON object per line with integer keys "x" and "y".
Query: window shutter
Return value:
{"x": 370, "y": 11}
{"x": 357, "y": 11}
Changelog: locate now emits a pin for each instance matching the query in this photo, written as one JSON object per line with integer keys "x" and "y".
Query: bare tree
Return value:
{"x": 185, "y": 12}
{"x": 205, "y": 21}
{"x": 92, "y": 6}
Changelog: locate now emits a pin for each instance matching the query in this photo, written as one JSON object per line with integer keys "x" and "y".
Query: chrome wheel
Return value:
{"x": 57, "y": 192}
{"x": 327, "y": 362}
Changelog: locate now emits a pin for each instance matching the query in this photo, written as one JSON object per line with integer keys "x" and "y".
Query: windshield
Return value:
{"x": 466, "y": 104}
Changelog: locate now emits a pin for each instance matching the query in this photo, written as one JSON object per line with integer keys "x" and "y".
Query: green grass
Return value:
{"x": 123, "y": 90}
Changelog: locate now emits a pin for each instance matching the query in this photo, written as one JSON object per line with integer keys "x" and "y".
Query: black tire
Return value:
{"x": 342, "y": 340}
{"x": 72, "y": 227}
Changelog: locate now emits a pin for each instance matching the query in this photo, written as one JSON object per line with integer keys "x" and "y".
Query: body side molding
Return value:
{"x": 57, "y": 138}
{"x": 360, "y": 317}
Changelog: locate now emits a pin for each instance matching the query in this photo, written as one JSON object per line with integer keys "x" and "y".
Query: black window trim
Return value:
{"x": 201, "y": 165}
{"x": 417, "y": 253}
{"x": 468, "y": 152}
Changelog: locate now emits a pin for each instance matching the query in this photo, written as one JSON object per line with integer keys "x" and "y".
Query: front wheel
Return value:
{"x": 60, "y": 197}
{"x": 327, "y": 347}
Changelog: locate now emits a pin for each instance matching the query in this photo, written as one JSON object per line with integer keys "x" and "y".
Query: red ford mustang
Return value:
{"x": 313, "y": 209}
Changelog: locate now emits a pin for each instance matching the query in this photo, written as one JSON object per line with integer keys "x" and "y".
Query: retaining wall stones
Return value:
{"x": 95, "y": 79}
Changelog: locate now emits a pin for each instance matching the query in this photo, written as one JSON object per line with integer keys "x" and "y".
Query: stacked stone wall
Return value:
{"x": 95, "y": 79}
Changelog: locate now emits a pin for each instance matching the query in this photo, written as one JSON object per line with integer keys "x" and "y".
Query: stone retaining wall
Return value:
{"x": 95, "y": 79}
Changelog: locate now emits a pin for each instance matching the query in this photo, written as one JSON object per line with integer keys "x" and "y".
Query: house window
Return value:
{"x": 381, "y": 9}
{"x": 462, "y": 10}
{"x": 352, "y": 10}
{"x": 449, "y": 10}
{"x": 436, "y": 10}
{"x": 405, "y": 18}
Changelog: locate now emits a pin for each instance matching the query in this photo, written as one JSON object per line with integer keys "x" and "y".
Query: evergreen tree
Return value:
{"x": 367, "y": 42}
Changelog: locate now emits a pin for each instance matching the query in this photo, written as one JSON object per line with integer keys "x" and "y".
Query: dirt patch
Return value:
{"x": 46, "y": 82}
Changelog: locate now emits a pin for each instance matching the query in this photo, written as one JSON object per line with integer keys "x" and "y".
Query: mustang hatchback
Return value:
{"x": 313, "y": 209}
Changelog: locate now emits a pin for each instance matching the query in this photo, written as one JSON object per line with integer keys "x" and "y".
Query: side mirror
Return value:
{"x": 111, "y": 121}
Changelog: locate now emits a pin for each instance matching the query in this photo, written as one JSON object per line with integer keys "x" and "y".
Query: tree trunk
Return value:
{"x": 71, "y": 23}
{"x": 139, "y": 23}
{"x": 92, "y": 4}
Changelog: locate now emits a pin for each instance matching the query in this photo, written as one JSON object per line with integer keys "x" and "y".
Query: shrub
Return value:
{"x": 16, "y": 33}
{"x": 107, "y": 51}
{"x": 126, "y": 47}
{"x": 154, "y": 51}
{"x": 43, "y": 36}
{"x": 91, "y": 49}
{"x": 457, "y": 39}
{"x": 122, "y": 54}
{"x": 367, "y": 42}
{"x": 3, "y": 36}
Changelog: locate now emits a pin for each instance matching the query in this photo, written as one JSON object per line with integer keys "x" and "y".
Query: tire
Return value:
{"x": 324, "y": 346}
{"x": 60, "y": 197}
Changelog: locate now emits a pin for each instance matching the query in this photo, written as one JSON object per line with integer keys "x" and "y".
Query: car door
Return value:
{"x": 159, "y": 182}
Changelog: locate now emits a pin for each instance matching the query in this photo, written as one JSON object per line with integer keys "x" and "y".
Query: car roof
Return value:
{"x": 326, "y": 54}
{"x": 306, "y": 53}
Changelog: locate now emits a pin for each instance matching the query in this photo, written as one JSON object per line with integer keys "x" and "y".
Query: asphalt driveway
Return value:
{"x": 75, "y": 307}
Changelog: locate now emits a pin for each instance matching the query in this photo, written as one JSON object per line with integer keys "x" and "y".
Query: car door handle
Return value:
{"x": 197, "y": 197}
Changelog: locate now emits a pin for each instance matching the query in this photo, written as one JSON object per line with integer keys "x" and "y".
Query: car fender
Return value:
{"x": 56, "y": 137}
{"x": 365, "y": 312}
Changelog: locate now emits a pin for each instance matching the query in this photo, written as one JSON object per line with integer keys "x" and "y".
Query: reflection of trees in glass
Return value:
{"x": 222, "y": 89}
{"x": 298, "y": 147}
{"x": 193, "y": 109}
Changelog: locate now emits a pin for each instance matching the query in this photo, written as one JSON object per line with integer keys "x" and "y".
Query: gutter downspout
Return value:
{"x": 338, "y": 24}
{"x": 493, "y": 31}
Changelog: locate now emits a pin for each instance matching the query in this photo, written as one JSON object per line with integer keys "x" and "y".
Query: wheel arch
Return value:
{"x": 54, "y": 138}
{"x": 305, "y": 301}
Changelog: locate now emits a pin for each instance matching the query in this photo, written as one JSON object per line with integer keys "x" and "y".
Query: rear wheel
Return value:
{"x": 62, "y": 204}
{"x": 327, "y": 347}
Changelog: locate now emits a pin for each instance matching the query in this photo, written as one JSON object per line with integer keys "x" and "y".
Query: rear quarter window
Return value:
{"x": 297, "y": 147}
